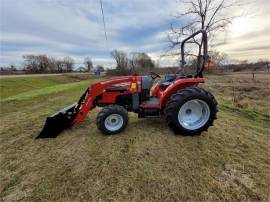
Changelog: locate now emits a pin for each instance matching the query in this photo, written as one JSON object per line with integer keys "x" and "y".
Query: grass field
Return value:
{"x": 147, "y": 161}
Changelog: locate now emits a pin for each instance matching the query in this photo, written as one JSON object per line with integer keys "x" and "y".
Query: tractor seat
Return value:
{"x": 167, "y": 80}
{"x": 165, "y": 84}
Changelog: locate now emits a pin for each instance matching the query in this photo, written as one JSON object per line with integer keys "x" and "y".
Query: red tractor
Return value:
{"x": 188, "y": 109}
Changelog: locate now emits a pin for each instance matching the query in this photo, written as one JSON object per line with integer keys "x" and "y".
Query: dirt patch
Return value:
{"x": 234, "y": 177}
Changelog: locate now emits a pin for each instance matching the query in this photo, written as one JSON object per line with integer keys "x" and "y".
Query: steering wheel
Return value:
{"x": 154, "y": 75}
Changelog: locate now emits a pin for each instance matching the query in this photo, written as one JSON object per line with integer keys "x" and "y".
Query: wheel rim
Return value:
{"x": 194, "y": 114}
{"x": 114, "y": 122}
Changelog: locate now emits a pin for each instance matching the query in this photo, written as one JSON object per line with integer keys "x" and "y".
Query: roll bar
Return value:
{"x": 205, "y": 52}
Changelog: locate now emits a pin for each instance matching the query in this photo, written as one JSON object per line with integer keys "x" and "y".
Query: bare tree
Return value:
{"x": 13, "y": 68}
{"x": 30, "y": 63}
{"x": 68, "y": 63}
{"x": 140, "y": 62}
{"x": 38, "y": 63}
{"x": 121, "y": 60}
{"x": 51, "y": 64}
{"x": 59, "y": 65}
{"x": 133, "y": 60}
{"x": 218, "y": 59}
{"x": 145, "y": 61}
{"x": 209, "y": 15}
{"x": 88, "y": 63}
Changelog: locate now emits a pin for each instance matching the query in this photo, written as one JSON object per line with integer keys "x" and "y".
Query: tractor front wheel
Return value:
{"x": 112, "y": 119}
{"x": 191, "y": 111}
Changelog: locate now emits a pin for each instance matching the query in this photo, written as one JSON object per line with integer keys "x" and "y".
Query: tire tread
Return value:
{"x": 185, "y": 94}
{"x": 101, "y": 116}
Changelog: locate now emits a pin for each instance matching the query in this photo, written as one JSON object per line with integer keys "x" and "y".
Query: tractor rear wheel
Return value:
{"x": 112, "y": 119}
{"x": 191, "y": 111}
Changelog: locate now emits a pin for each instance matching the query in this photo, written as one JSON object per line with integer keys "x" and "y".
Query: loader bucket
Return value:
{"x": 61, "y": 120}
{"x": 58, "y": 122}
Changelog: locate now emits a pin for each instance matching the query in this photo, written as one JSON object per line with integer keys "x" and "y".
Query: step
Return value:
{"x": 153, "y": 102}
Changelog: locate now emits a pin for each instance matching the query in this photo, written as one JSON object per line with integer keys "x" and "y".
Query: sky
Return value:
{"x": 61, "y": 28}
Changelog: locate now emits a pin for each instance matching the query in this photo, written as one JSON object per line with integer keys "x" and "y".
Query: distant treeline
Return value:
{"x": 126, "y": 63}
{"x": 130, "y": 63}
{"x": 260, "y": 65}
{"x": 45, "y": 64}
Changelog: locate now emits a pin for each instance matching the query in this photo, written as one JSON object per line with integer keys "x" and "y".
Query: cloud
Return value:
{"x": 67, "y": 27}
{"x": 75, "y": 27}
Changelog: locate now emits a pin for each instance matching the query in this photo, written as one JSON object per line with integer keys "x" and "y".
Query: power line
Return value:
{"x": 103, "y": 19}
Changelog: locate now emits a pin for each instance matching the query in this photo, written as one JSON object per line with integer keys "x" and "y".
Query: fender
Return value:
{"x": 177, "y": 86}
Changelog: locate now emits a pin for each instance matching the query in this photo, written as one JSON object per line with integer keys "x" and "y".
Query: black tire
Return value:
{"x": 107, "y": 111}
{"x": 179, "y": 99}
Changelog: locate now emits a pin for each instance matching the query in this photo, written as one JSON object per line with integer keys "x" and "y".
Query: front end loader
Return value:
{"x": 188, "y": 108}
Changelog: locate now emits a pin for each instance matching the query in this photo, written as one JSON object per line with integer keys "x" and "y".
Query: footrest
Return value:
{"x": 153, "y": 102}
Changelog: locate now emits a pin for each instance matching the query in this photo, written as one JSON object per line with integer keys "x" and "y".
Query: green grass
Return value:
{"x": 147, "y": 162}
{"x": 30, "y": 94}
{"x": 14, "y": 86}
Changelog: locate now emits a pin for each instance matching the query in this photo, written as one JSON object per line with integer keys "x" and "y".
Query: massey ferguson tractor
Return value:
{"x": 188, "y": 109}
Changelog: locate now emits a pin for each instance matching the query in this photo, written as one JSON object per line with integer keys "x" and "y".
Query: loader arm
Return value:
{"x": 97, "y": 89}
{"x": 77, "y": 112}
